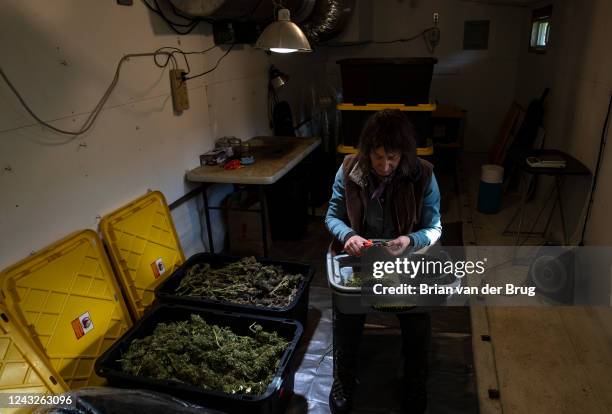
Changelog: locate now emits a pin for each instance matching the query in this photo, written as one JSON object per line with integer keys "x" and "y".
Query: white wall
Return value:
{"x": 61, "y": 56}
{"x": 534, "y": 70}
{"x": 483, "y": 82}
{"x": 578, "y": 68}
{"x": 583, "y": 77}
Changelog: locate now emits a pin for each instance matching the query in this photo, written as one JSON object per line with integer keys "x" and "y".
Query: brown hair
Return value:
{"x": 393, "y": 131}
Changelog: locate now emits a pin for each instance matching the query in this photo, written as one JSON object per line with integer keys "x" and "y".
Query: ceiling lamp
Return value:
{"x": 283, "y": 36}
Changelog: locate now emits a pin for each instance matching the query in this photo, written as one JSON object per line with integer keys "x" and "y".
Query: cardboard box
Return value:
{"x": 244, "y": 227}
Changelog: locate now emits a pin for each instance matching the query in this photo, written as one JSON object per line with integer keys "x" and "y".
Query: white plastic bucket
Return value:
{"x": 491, "y": 188}
{"x": 492, "y": 174}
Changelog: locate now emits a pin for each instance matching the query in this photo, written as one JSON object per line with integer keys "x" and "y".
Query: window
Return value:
{"x": 540, "y": 29}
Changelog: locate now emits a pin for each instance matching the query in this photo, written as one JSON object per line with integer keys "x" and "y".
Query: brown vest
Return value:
{"x": 407, "y": 196}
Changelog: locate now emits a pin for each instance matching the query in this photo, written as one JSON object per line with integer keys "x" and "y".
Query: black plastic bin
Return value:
{"x": 288, "y": 205}
{"x": 386, "y": 80}
{"x": 354, "y": 121}
{"x": 274, "y": 400}
{"x": 297, "y": 310}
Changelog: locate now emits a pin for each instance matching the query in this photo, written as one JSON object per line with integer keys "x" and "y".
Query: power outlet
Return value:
{"x": 178, "y": 86}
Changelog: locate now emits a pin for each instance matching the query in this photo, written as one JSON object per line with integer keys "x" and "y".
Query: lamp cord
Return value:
{"x": 277, "y": 6}
{"x": 422, "y": 34}
{"x": 185, "y": 78}
{"x": 602, "y": 146}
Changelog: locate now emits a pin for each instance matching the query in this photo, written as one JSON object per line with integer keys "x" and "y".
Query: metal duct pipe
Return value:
{"x": 328, "y": 19}
{"x": 304, "y": 11}
{"x": 252, "y": 10}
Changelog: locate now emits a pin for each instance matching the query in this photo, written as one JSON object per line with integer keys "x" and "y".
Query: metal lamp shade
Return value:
{"x": 283, "y": 36}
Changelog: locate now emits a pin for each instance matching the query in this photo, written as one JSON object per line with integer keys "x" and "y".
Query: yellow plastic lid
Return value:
{"x": 421, "y": 151}
{"x": 143, "y": 246}
{"x": 424, "y": 107}
{"x": 70, "y": 303}
{"x": 23, "y": 367}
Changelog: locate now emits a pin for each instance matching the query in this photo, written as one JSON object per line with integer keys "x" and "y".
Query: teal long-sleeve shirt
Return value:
{"x": 430, "y": 230}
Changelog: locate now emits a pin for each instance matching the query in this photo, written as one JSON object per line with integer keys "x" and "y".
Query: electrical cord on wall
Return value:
{"x": 186, "y": 78}
{"x": 176, "y": 50}
{"x": 272, "y": 102}
{"x": 170, "y": 59}
{"x": 602, "y": 146}
{"x": 435, "y": 31}
{"x": 96, "y": 111}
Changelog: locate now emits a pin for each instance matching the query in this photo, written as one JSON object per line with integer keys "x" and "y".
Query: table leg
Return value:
{"x": 211, "y": 247}
{"x": 264, "y": 213}
{"x": 522, "y": 212}
{"x": 542, "y": 209}
{"x": 552, "y": 213}
{"x": 507, "y": 231}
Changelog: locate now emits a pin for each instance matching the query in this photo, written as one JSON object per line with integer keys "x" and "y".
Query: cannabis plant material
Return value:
{"x": 358, "y": 280}
{"x": 354, "y": 281}
{"x": 207, "y": 356}
{"x": 245, "y": 282}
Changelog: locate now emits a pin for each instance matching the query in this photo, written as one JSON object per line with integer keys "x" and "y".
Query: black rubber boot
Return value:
{"x": 414, "y": 396}
{"x": 416, "y": 336}
{"x": 347, "y": 336}
{"x": 340, "y": 402}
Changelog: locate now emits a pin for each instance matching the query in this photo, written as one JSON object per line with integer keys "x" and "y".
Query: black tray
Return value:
{"x": 386, "y": 80}
{"x": 274, "y": 400}
{"x": 298, "y": 309}
{"x": 354, "y": 121}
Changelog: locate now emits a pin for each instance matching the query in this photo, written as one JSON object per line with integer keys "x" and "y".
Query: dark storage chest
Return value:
{"x": 386, "y": 80}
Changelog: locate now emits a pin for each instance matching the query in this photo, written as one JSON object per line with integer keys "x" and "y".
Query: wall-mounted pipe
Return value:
{"x": 252, "y": 10}
{"x": 328, "y": 19}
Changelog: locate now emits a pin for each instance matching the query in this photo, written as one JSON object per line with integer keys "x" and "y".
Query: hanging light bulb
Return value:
{"x": 283, "y": 36}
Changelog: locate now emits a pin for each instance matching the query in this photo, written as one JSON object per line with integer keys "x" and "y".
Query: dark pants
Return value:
{"x": 348, "y": 328}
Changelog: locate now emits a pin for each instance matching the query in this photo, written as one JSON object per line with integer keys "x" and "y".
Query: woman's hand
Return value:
{"x": 354, "y": 245}
{"x": 399, "y": 245}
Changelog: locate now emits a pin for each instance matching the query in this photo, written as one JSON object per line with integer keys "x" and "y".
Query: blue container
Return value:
{"x": 491, "y": 188}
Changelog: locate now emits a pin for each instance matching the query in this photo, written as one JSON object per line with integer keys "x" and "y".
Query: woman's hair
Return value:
{"x": 392, "y": 130}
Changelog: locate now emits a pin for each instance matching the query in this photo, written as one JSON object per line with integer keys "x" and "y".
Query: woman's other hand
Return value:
{"x": 399, "y": 245}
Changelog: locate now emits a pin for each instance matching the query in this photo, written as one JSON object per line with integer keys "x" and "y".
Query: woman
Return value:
{"x": 383, "y": 192}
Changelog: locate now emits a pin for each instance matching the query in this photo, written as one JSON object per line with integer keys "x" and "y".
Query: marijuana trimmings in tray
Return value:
{"x": 245, "y": 282}
{"x": 207, "y": 356}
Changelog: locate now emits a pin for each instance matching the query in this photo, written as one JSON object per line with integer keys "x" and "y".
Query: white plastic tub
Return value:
{"x": 348, "y": 299}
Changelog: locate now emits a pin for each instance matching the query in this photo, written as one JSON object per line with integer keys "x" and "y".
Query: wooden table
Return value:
{"x": 274, "y": 157}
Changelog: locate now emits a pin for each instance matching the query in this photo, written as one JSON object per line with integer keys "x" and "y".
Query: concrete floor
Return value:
{"x": 554, "y": 359}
